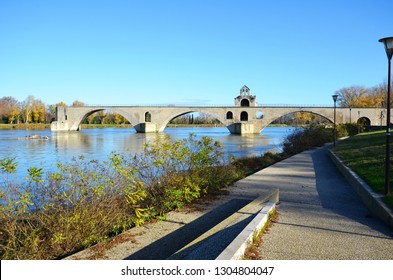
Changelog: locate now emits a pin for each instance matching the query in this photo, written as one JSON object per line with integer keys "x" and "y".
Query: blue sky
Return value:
{"x": 190, "y": 52}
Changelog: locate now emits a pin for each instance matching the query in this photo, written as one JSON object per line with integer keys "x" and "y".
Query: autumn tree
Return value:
{"x": 9, "y": 109}
{"x": 358, "y": 96}
{"x": 351, "y": 96}
{"x": 27, "y": 107}
{"x": 308, "y": 118}
{"x": 33, "y": 110}
{"x": 38, "y": 111}
{"x": 78, "y": 103}
{"x": 304, "y": 117}
{"x": 119, "y": 119}
{"x": 51, "y": 110}
{"x": 379, "y": 94}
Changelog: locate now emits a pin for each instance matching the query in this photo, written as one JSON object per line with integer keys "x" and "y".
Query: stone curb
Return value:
{"x": 235, "y": 250}
{"x": 250, "y": 209}
{"x": 372, "y": 200}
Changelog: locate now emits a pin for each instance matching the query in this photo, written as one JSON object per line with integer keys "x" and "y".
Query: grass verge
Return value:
{"x": 365, "y": 154}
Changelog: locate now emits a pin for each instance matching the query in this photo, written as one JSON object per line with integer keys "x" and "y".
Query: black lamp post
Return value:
{"x": 388, "y": 43}
{"x": 334, "y": 130}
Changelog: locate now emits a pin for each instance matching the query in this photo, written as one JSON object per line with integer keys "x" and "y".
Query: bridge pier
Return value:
{"x": 59, "y": 126}
{"x": 146, "y": 127}
{"x": 243, "y": 128}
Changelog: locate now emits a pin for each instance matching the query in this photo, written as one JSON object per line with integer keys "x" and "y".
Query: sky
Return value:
{"x": 191, "y": 52}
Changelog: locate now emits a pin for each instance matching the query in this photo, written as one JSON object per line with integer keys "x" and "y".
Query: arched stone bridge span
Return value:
{"x": 241, "y": 119}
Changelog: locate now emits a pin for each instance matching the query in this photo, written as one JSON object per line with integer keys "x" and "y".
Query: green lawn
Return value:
{"x": 365, "y": 154}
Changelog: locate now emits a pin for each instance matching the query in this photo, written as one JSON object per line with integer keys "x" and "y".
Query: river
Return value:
{"x": 99, "y": 143}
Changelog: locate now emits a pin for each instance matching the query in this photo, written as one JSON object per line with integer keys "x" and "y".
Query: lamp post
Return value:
{"x": 334, "y": 130}
{"x": 388, "y": 43}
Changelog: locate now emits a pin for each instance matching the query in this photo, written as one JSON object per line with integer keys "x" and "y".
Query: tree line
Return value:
{"x": 191, "y": 118}
{"x": 360, "y": 96}
{"x": 33, "y": 110}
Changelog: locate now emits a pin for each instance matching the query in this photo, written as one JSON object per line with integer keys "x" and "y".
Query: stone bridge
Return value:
{"x": 243, "y": 118}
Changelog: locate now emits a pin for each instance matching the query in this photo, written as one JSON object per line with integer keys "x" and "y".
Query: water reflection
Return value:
{"x": 99, "y": 143}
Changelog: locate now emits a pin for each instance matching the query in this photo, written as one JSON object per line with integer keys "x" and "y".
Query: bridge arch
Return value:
{"x": 272, "y": 114}
{"x": 245, "y": 103}
{"x": 166, "y": 121}
{"x": 364, "y": 122}
{"x": 82, "y": 113}
{"x": 244, "y": 116}
{"x": 147, "y": 117}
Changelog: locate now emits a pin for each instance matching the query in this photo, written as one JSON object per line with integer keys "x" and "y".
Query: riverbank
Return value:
{"x": 26, "y": 126}
{"x": 171, "y": 189}
{"x": 87, "y": 201}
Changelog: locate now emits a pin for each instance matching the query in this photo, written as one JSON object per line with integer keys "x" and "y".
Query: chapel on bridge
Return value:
{"x": 245, "y": 99}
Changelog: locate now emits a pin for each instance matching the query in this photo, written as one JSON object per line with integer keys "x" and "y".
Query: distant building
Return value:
{"x": 245, "y": 99}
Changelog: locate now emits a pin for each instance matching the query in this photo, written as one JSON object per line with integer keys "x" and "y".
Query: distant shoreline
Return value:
{"x": 26, "y": 126}
{"x": 39, "y": 126}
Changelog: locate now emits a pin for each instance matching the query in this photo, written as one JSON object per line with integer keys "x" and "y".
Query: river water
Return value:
{"x": 99, "y": 143}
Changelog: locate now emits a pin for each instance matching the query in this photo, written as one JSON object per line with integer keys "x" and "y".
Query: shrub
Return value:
{"x": 306, "y": 138}
{"x": 80, "y": 204}
{"x": 183, "y": 170}
{"x": 348, "y": 129}
{"x": 250, "y": 165}
{"x": 86, "y": 201}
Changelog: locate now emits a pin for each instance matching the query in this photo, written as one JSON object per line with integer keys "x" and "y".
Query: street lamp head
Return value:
{"x": 335, "y": 97}
{"x": 388, "y": 43}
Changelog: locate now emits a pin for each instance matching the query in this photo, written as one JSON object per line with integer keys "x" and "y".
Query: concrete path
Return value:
{"x": 320, "y": 216}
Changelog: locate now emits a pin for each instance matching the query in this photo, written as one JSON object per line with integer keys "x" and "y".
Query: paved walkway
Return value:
{"x": 320, "y": 216}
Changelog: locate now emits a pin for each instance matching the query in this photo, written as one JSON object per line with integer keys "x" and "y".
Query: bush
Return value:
{"x": 250, "y": 165}
{"x": 82, "y": 203}
{"x": 183, "y": 170}
{"x": 348, "y": 129}
{"x": 85, "y": 202}
{"x": 306, "y": 138}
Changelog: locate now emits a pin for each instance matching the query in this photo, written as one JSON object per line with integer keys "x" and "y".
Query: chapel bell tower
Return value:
{"x": 245, "y": 99}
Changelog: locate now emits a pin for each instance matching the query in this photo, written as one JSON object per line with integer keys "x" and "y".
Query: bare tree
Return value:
{"x": 351, "y": 96}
